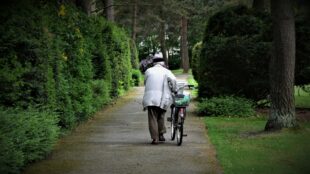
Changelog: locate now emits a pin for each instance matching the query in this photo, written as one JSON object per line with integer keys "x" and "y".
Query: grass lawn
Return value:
{"x": 302, "y": 98}
{"x": 243, "y": 147}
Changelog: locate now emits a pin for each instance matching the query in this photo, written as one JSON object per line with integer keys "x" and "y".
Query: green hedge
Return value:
{"x": 25, "y": 136}
{"x": 234, "y": 60}
{"x": 137, "y": 78}
{"x": 54, "y": 57}
{"x": 226, "y": 106}
{"x": 195, "y": 60}
{"x": 236, "y": 50}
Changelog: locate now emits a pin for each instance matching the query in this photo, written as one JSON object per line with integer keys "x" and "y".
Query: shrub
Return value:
{"x": 53, "y": 55}
{"x": 226, "y": 106}
{"x": 26, "y": 136}
{"x": 57, "y": 59}
{"x": 234, "y": 59}
{"x": 195, "y": 59}
{"x": 136, "y": 77}
{"x": 174, "y": 61}
{"x": 100, "y": 93}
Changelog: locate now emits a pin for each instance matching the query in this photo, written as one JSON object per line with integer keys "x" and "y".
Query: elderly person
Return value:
{"x": 159, "y": 84}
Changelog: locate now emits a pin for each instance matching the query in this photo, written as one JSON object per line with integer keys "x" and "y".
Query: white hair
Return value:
{"x": 162, "y": 63}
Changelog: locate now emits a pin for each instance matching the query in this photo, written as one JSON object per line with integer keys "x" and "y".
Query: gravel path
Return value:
{"x": 117, "y": 141}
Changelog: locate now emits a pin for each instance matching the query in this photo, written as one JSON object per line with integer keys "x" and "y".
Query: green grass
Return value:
{"x": 242, "y": 146}
{"x": 302, "y": 98}
{"x": 192, "y": 81}
{"x": 180, "y": 71}
{"x": 177, "y": 71}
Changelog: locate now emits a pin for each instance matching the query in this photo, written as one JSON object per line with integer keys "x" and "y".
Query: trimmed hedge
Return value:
{"x": 54, "y": 57}
{"x": 226, "y": 106}
{"x": 25, "y": 136}
{"x": 236, "y": 50}
{"x": 234, "y": 59}
{"x": 195, "y": 59}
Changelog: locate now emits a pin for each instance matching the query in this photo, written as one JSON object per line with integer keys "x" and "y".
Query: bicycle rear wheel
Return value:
{"x": 173, "y": 124}
{"x": 180, "y": 123}
{"x": 180, "y": 132}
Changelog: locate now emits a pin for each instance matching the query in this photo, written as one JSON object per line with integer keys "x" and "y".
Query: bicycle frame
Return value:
{"x": 178, "y": 115}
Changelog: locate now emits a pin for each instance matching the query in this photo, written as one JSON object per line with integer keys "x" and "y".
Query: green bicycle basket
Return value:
{"x": 182, "y": 100}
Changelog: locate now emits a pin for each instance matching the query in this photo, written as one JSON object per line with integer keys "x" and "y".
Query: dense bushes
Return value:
{"x": 226, "y": 106}
{"x": 137, "y": 78}
{"x": 234, "y": 59}
{"x": 174, "y": 61}
{"x": 25, "y": 136}
{"x": 235, "y": 54}
{"x": 195, "y": 59}
{"x": 53, "y": 56}
{"x": 58, "y": 57}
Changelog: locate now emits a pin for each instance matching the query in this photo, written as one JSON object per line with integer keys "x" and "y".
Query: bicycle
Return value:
{"x": 178, "y": 113}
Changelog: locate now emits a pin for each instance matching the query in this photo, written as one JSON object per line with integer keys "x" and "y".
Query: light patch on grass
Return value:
{"x": 192, "y": 81}
{"x": 302, "y": 98}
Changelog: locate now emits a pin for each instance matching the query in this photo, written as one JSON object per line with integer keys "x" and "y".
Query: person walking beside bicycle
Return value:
{"x": 159, "y": 82}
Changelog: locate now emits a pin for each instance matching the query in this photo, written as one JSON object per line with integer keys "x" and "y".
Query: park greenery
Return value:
{"x": 59, "y": 64}
{"x": 232, "y": 70}
{"x": 243, "y": 69}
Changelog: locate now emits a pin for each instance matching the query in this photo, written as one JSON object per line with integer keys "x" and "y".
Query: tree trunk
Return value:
{"x": 134, "y": 21}
{"x": 261, "y": 5}
{"x": 109, "y": 9}
{"x": 163, "y": 41}
{"x": 85, "y": 5}
{"x": 184, "y": 47}
{"x": 282, "y": 66}
{"x": 162, "y": 32}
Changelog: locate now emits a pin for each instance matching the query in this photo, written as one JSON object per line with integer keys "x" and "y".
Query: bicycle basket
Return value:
{"x": 181, "y": 100}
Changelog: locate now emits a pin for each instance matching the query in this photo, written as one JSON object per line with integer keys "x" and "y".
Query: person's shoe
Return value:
{"x": 161, "y": 137}
{"x": 154, "y": 142}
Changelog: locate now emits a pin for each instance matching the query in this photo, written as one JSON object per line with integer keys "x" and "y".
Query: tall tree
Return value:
{"x": 184, "y": 46}
{"x": 85, "y": 5}
{"x": 109, "y": 9}
{"x": 282, "y": 67}
{"x": 261, "y": 5}
{"x": 162, "y": 32}
{"x": 134, "y": 20}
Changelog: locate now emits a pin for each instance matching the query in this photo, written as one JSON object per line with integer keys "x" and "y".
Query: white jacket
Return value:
{"x": 157, "y": 91}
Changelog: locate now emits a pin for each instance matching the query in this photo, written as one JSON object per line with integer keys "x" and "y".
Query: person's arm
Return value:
{"x": 146, "y": 76}
{"x": 172, "y": 81}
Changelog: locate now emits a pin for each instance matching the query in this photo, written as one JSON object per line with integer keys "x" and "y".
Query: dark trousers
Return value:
{"x": 156, "y": 117}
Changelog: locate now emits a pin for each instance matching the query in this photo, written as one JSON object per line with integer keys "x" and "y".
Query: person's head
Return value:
{"x": 158, "y": 59}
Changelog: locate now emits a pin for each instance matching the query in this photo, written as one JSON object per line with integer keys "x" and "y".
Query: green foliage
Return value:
{"x": 26, "y": 136}
{"x": 174, "y": 61}
{"x": 54, "y": 57}
{"x": 195, "y": 59}
{"x": 302, "y": 97}
{"x": 100, "y": 93}
{"x": 234, "y": 59}
{"x": 136, "y": 77}
{"x": 226, "y": 106}
{"x": 57, "y": 58}
{"x": 302, "y": 68}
